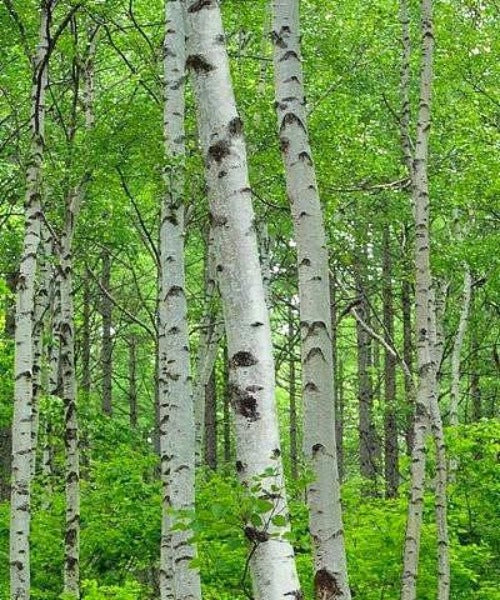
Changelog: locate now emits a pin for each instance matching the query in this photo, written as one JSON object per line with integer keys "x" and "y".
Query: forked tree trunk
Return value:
{"x": 177, "y": 420}
{"x": 19, "y": 556}
{"x": 323, "y": 495}
{"x": 251, "y": 365}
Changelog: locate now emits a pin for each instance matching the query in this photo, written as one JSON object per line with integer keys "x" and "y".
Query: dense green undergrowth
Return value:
{"x": 121, "y": 525}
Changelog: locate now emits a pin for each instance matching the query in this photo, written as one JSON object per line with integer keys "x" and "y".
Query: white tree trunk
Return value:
{"x": 177, "y": 427}
{"x": 67, "y": 351}
{"x": 67, "y": 358}
{"x": 429, "y": 342}
{"x": 251, "y": 365}
{"x": 323, "y": 495}
{"x": 25, "y": 295}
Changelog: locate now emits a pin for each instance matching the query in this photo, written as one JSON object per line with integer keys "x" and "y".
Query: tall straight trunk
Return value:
{"x": 86, "y": 335}
{"x": 457, "y": 347}
{"x": 72, "y": 468}
{"x": 428, "y": 351}
{"x": 367, "y": 451}
{"x": 292, "y": 390}
{"x": 390, "y": 424}
{"x": 132, "y": 380}
{"x": 19, "y": 554}
{"x": 177, "y": 421}
{"x": 406, "y": 303}
{"x": 6, "y": 431}
{"x": 437, "y": 305}
{"x": 67, "y": 348}
{"x": 106, "y": 337}
{"x": 251, "y": 365}
{"x": 41, "y": 307}
{"x": 337, "y": 392}
{"x": 325, "y": 515}
{"x": 226, "y": 418}
{"x": 211, "y": 422}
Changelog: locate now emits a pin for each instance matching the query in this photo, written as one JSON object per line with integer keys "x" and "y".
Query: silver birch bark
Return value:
{"x": 75, "y": 199}
{"x": 41, "y": 307}
{"x": 437, "y": 307}
{"x": 67, "y": 358}
{"x": 325, "y": 520}
{"x": 425, "y": 318}
{"x": 251, "y": 365}
{"x": 25, "y": 296}
{"x": 177, "y": 426}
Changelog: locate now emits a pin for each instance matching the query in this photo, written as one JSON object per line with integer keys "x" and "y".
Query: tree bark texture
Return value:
{"x": 323, "y": 495}
{"x": 251, "y": 365}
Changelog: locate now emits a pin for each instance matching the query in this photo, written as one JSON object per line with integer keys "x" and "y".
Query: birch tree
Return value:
{"x": 251, "y": 365}
{"x": 19, "y": 555}
{"x": 427, "y": 408}
{"x": 177, "y": 427}
{"x": 323, "y": 495}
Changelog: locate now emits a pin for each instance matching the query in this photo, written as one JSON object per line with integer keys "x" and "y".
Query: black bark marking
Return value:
{"x": 276, "y": 453}
{"x": 254, "y": 388}
{"x": 217, "y": 221}
{"x": 174, "y": 291}
{"x": 198, "y": 5}
{"x": 310, "y": 387}
{"x": 326, "y": 586}
{"x": 289, "y": 119}
{"x": 257, "y": 324}
{"x": 254, "y": 535}
{"x": 235, "y": 126}
{"x": 315, "y": 352}
{"x": 317, "y": 448}
{"x": 289, "y": 54}
{"x": 219, "y": 150}
{"x": 243, "y": 359}
{"x": 240, "y": 467}
{"x": 306, "y": 157}
{"x": 199, "y": 64}
{"x": 244, "y": 403}
{"x": 284, "y": 144}
{"x": 297, "y": 594}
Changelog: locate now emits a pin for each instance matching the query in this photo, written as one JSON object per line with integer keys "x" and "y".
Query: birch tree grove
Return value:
{"x": 25, "y": 297}
{"x": 248, "y": 300}
{"x": 315, "y": 317}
